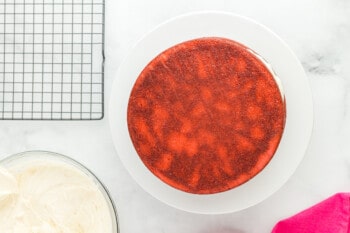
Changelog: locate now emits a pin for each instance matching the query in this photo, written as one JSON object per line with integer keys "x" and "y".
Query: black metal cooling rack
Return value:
{"x": 51, "y": 59}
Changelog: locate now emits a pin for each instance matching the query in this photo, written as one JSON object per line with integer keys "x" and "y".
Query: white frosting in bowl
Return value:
{"x": 48, "y": 193}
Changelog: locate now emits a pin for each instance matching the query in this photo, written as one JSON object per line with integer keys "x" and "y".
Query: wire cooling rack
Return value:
{"x": 51, "y": 59}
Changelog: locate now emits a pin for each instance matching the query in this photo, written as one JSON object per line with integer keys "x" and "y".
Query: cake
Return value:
{"x": 206, "y": 115}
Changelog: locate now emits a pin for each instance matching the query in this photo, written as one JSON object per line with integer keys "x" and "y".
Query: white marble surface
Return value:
{"x": 319, "y": 33}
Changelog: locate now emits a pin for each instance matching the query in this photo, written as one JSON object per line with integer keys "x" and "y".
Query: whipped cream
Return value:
{"x": 51, "y": 196}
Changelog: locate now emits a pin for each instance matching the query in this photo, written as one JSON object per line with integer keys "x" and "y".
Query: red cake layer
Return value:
{"x": 206, "y": 115}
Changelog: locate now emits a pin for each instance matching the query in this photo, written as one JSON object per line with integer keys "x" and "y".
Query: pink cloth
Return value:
{"x": 330, "y": 216}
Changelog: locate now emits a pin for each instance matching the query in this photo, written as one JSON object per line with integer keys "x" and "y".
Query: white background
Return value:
{"x": 319, "y": 33}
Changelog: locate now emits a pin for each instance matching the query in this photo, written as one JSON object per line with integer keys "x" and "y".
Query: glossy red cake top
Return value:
{"x": 206, "y": 115}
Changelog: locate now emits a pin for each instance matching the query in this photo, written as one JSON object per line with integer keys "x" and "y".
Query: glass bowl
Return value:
{"x": 25, "y": 158}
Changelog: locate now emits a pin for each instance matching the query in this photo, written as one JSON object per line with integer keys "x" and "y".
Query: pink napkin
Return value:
{"x": 330, "y": 216}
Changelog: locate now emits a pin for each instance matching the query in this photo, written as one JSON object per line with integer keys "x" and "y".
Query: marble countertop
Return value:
{"x": 319, "y": 33}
